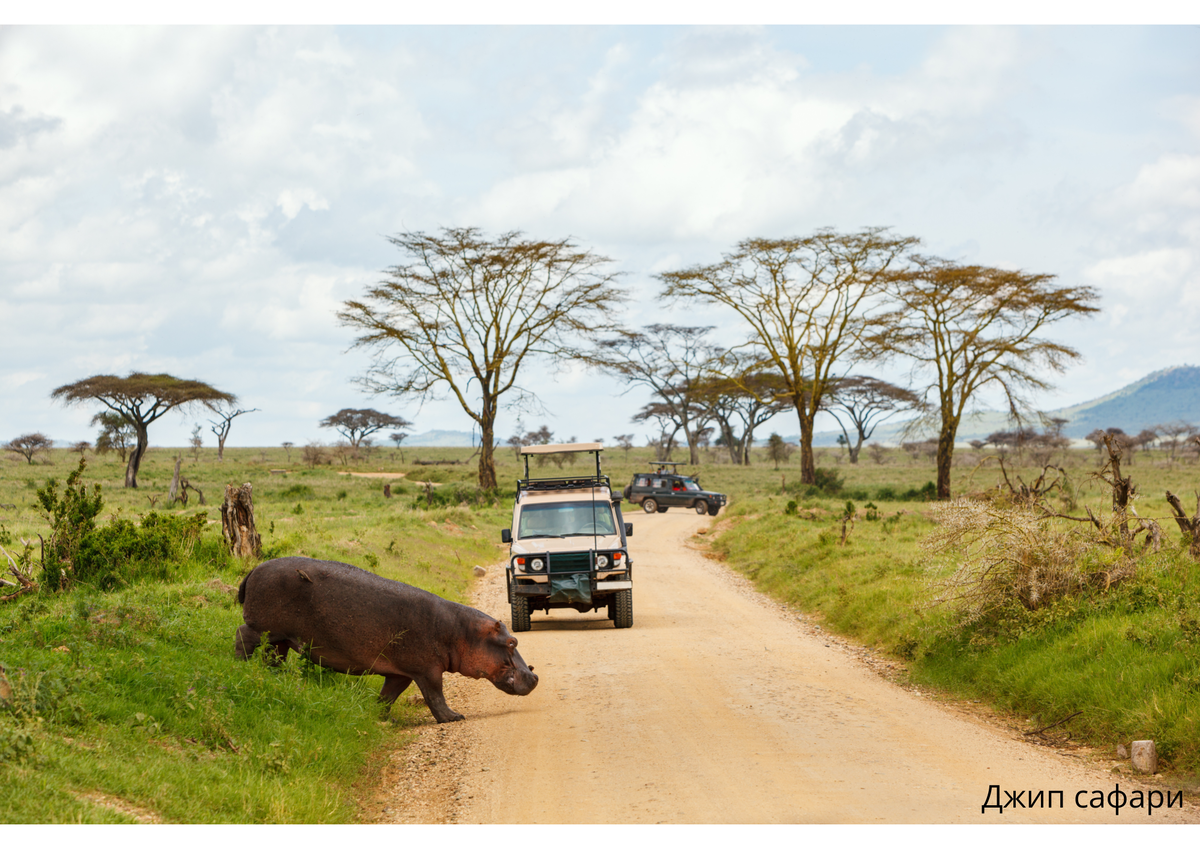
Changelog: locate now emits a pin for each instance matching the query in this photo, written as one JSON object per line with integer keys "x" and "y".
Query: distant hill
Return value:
{"x": 442, "y": 439}
{"x": 1172, "y": 394}
{"x": 1169, "y": 395}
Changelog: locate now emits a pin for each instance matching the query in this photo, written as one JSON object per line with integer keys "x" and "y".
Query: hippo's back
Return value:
{"x": 325, "y": 603}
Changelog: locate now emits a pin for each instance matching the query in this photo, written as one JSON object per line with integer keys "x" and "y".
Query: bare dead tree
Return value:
{"x": 227, "y": 414}
{"x": 1190, "y": 527}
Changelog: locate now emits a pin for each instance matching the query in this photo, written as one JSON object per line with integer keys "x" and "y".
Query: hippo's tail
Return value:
{"x": 242, "y": 588}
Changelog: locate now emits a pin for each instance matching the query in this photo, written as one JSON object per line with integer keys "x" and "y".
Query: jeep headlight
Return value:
{"x": 537, "y": 564}
{"x": 601, "y": 561}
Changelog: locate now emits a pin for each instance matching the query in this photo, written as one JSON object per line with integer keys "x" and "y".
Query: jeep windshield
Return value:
{"x": 566, "y": 519}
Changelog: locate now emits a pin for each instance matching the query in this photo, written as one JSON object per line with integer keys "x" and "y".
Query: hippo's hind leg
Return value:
{"x": 393, "y": 686}
{"x": 431, "y": 689}
{"x": 245, "y": 641}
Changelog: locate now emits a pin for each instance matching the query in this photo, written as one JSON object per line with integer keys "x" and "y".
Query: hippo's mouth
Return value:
{"x": 516, "y": 682}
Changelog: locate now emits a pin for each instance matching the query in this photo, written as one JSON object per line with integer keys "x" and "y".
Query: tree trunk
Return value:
{"x": 237, "y": 521}
{"x": 487, "y": 456}
{"x": 945, "y": 458}
{"x": 135, "y": 456}
{"x": 808, "y": 464}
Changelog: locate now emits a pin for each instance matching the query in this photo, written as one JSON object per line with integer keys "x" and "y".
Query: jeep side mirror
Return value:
{"x": 629, "y": 529}
{"x": 506, "y": 535}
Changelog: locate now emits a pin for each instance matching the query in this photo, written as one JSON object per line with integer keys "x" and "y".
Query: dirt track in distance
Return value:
{"x": 718, "y": 706}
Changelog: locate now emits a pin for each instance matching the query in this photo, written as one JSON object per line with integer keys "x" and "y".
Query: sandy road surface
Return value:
{"x": 717, "y": 706}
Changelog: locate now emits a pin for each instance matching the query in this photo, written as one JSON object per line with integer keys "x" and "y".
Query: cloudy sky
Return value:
{"x": 200, "y": 201}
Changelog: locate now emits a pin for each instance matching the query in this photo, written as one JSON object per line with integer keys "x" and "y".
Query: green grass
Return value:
{"x": 1128, "y": 657}
{"x": 133, "y": 694}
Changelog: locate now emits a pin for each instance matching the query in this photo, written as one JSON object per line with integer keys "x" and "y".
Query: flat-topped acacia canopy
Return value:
{"x": 140, "y": 399}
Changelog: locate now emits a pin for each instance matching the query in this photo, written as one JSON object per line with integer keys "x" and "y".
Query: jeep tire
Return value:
{"x": 520, "y": 613}
{"x": 650, "y": 505}
{"x": 701, "y": 507}
{"x": 621, "y": 609}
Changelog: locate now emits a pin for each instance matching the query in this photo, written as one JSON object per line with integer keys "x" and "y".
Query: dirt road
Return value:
{"x": 719, "y": 706}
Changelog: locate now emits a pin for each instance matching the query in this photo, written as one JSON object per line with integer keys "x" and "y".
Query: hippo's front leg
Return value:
{"x": 431, "y": 689}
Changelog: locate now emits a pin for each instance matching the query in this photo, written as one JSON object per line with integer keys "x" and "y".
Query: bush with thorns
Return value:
{"x": 1016, "y": 549}
{"x": 1005, "y": 553}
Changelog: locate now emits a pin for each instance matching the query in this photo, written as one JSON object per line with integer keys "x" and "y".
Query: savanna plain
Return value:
{"x": 121, "y": 701}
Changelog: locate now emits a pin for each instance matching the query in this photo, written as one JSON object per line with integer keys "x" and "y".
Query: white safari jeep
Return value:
{"x": 567, "y": 543}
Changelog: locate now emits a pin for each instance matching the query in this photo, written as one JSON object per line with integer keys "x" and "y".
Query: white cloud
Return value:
{"x": 203, "y": 199}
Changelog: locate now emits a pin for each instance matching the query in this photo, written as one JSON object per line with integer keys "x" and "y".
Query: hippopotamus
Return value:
{"x": 353, "y": 621}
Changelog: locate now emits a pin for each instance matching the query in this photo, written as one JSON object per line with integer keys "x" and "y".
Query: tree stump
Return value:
{"x": 237, "y": 521}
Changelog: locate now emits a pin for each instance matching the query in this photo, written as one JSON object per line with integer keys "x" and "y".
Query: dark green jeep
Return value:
{"x": 664, "y": 488}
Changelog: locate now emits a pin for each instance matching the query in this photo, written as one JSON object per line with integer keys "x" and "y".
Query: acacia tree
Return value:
{"x": 740, "y": 403}
{"x": 116, "y": 434}
{"x": 141, "y": 399}
{"x": 29, "y": 444}
{"x": 466, "y": 314}
{"x": 810, "y": 302}
{"x": 226, "y": 413}
{"x": 668, "y": 428}
{"x": 670, "y": 360}
{"x": 863, "y": 403}
{"x": 969, "y": 327}
{"x": 357, "y": 425}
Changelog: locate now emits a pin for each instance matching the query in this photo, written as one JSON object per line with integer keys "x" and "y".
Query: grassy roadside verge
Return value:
{"x": 127, "y": 705}
{"x": 1127, "y": 656}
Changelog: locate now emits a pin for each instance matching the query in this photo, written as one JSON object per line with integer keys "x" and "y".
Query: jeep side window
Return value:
{"x": 642, "y": 482}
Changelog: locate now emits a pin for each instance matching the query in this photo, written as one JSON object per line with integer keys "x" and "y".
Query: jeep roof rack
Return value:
{"x": 572, "y": 482}
{"x": 662, "y": 466}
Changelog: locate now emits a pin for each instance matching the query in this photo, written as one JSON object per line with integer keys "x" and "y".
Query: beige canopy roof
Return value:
{"x": 562, "y": 448}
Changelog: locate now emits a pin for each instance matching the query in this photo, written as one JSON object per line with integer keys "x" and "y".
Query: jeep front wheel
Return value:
{"x": 650, "y": 505}
{"x": 621, "y": 608}
{"x": 701, "y": 507}
{"x": 520, "y": 613}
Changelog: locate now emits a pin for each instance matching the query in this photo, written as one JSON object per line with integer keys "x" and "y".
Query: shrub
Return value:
{"x": 122, "y": 553}
{"x": 436, "y": 497}
{"x": 72, "y": 516}
{"x": 828, "y": 482}
{"x": 928, "y": 492}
